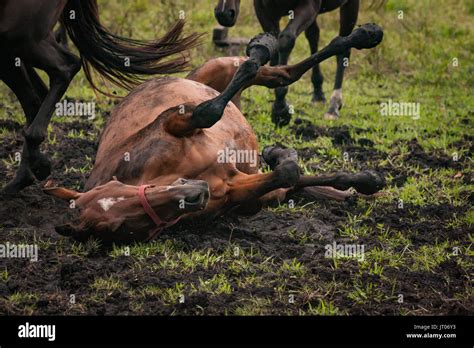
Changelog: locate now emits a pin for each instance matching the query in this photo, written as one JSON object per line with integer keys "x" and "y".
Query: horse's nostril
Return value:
{"x": 195, "y": 198}
{"x": 231, "y": 14}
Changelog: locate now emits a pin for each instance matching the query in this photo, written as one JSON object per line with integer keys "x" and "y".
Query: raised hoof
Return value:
{"x": 41, "y": 166}
{"x": 21, "y": 180}
{"x": 288, "y": 173}
{"x": 368, "y": 182}
{"x": 281, "y": 115}
{"x": 274, "y": 155}
{"x": 267, "y": 41}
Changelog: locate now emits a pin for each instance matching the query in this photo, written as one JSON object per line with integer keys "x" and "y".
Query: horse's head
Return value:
{"x": 227, "y": 12}
{"x": 120, "y": 212}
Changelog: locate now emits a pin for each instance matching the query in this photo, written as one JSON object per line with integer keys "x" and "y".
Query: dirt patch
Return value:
{"x": 417, "y": 156}
{"x": 66, "y": 268}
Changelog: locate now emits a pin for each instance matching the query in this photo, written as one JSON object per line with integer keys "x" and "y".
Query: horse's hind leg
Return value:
{"x": 366, "y": 182}
{"x": 250, "y": 192}
{"x": 19, "y": 81}
{"x": 348, "y": 19}
{"x": 61, "y": 66}
{"x": 205, "y": 115}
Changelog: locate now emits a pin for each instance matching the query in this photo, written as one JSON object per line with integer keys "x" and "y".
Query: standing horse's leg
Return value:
{"x": 269, "y": 23}
{"x": 348, "y": 19}
{"x": 61, "y": 66}
{"x": 304, "y": 16}
{"x": 19, "y": 80}
{"x": 312, "y": 35}
{"x": 37, "y": 82}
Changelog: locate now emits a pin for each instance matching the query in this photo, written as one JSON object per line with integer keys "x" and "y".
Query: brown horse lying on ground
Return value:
{"x": 159, "y": 157}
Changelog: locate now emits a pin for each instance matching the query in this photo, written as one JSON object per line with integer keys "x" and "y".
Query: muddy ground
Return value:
{"x": 282, "y": 236}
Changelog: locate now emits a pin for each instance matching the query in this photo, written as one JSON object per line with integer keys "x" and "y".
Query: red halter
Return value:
{"x": 160, "y": 224}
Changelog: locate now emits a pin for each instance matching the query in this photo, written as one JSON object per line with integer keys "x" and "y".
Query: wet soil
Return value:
{"x": 60, "y": 272}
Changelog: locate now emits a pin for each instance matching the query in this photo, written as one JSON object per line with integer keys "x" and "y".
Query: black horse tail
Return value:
{"x": 123, "y": 61}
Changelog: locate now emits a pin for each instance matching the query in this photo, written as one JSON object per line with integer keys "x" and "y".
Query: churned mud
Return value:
{"x": 281, "y": 235}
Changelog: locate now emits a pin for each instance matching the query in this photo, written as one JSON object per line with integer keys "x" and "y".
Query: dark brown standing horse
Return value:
{"x": 27, "y": 42}
{"x": 302, "y": 14}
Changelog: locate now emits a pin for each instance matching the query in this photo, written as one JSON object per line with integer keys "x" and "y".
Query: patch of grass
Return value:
{"x": 144, "y": 250}
{"x": 294, "y": 268}
{"x": 171, "y": 296}
{"x": 298, "y": 236}
{"x": 4, "y": 276}
{"x": 354, "y": 228}
{"x": 428, "y": 257}
{"x": 107, "y": 284}
{"x": 323, "y": 308}
{"x": 218, "y": 284}
{"x": 189, "y": 261}
{"x": 365, "y": 293}
{"x": 84, "y": 249}
{"x": 254, "y": 306}
{"x": 383, "y": 257}
{"x": 24, "y": 301}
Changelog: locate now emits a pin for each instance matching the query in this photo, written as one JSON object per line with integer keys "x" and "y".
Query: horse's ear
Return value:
{"x": 62, "y": 193}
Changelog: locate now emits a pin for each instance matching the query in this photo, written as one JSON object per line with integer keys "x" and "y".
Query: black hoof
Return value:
{"x": 40, "y": 166}
{"x": 274, "y": 155}
{"x": 20, "y": 181}
{"x": 318, "y": 97}
{"x": 265, "y": 42}
{"x": 368, "y": 182}
{"x": 366, "y": 36}
{"x": 281, "y": 115}
{"x": 288, "y": 173}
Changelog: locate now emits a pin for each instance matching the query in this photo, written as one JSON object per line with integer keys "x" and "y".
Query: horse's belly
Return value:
{"x": 146, "y": 102}
{"x": 161, "y": 153}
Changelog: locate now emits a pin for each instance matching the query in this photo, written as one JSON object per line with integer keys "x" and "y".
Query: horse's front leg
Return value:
{"x": 301, "y": 19}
